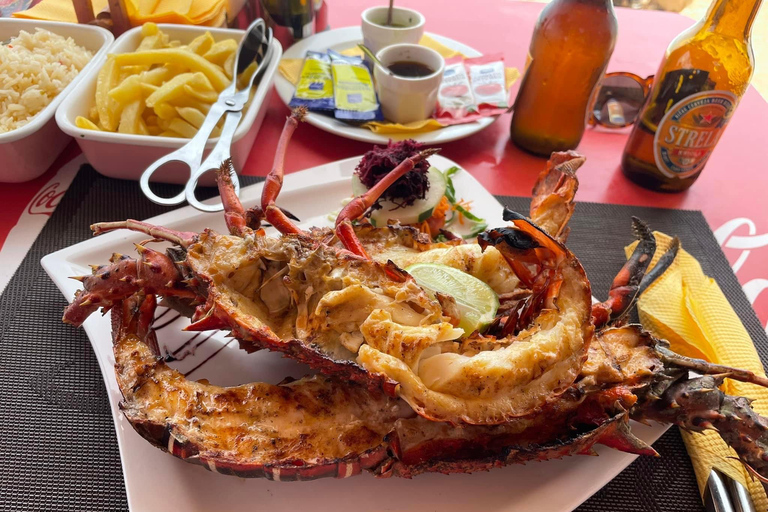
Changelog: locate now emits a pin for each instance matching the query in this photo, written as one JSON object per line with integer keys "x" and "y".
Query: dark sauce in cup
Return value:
{"x": 393, "y": 25}
{"x": 410, "y": 69}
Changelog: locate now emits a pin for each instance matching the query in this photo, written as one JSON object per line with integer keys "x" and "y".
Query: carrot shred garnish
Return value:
{"x": 466, "y": 205}
{"x": 424, "y": 228}
{"x": 442, "y": 207}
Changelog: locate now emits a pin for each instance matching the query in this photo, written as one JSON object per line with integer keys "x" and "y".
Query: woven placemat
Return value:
{"x": 58, "y": 449}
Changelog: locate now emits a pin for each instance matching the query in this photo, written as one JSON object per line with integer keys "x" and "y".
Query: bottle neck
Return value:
{"x": 732, "y": 17}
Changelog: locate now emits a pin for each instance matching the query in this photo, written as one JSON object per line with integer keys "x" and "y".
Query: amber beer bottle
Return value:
{"x": 570, "y": 48}
{"x": 704, "y": 73}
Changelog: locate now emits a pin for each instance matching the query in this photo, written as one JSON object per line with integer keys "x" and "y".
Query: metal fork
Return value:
{"x": 724, "y": 494}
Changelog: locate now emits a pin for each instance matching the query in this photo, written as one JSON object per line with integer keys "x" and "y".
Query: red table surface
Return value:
{"x": 731, "y": 189}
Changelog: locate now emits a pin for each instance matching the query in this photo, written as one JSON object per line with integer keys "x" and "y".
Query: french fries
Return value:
{"x": 85, "y": 124}
{"x": 164, "y": 88}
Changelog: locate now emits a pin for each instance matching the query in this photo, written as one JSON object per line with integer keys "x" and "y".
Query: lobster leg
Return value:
{"x": 358, "y": 206}
{"x": 234, "y": 213}
{"x": 274, "y": 182}
{"x": 153, "y": 272}
{"x": 518, "y": 245}
{"x": 626, "y": 284}
{"x": 661, "y": 266}
{"x": 181, "y": 238}
{"x": 239, "y": 220}
{"x": 707, "y": 368}
{"x": 697, "y": 405}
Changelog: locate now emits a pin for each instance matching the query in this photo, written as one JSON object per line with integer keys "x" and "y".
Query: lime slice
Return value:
{"x": 476, "y": 301}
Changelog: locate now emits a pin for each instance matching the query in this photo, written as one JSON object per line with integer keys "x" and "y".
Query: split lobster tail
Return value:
{"x": 378, "y": 434}
{"x": 284, "y": 432}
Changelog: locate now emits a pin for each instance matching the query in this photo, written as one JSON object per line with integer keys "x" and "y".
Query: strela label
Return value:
{"x": 689, "y": 131}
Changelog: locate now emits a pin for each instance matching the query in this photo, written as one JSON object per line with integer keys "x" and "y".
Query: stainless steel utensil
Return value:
{"x": 724, "y": 494}
{"x": 255, "y": 47}
{"x": 742, "y": 501}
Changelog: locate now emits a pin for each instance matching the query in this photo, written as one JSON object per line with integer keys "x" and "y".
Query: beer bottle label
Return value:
{"x": 689, "y": 131}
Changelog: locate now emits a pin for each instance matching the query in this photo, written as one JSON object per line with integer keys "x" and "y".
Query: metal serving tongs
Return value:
{"x": 255, "y": 47}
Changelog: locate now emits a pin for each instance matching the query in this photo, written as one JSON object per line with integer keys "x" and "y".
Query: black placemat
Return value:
{"x": 58, "y": 449}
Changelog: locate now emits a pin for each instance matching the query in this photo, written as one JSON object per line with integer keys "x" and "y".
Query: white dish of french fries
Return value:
{"x": 148, "y": 98}
{"x": 27, "y": 152}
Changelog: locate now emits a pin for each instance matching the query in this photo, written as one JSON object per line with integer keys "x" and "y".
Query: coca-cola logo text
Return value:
{"x": 46, "y": 200}
{"x": 728, "y": 239}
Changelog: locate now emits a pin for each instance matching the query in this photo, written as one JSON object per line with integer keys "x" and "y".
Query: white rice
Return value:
{"x": 34, "y": 69}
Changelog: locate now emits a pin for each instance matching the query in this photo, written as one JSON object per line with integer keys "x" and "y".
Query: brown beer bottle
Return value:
{"x": 570, "y": 48}
{"x": 704, "y": 73}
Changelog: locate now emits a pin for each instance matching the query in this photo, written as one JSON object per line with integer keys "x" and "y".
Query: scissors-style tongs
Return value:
{"x": 255, "y": 47}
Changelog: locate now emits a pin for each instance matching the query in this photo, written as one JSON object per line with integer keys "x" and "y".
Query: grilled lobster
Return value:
{"x": 539, "y": 384}
{"x": 320, "y": 427}
{"x": 328, "y": 304}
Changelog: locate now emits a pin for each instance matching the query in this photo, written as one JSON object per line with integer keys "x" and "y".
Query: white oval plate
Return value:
{"x": 156, "y": 481}
{"x": 344, "y": 38}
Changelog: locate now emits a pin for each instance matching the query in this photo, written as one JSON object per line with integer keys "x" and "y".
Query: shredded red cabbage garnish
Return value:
{"x": 379, "y": 161}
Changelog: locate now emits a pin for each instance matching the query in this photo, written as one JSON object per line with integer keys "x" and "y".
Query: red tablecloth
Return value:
{"x": 731, "y": 191}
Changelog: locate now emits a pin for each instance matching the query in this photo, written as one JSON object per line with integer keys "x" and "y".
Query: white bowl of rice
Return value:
{"x": 40, "y": 63}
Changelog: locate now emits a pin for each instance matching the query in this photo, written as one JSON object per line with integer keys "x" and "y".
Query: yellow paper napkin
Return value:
{"x": 688, "y": 308}
{"x": 57, "y": 10}
{"x": 291, "y": 71}
{"x": 185, "y": 12}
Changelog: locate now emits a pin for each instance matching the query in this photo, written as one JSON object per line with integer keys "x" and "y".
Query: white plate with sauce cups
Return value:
{"x": 408, "y": 99}
{"x": 344, "y": 38}
{"x": 407, "y": 27}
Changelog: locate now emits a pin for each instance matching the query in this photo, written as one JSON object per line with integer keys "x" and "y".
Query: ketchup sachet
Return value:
{"x": 472, "y": 89}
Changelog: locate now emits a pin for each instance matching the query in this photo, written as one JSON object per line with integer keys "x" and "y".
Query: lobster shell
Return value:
{"x": 318, "y": 427}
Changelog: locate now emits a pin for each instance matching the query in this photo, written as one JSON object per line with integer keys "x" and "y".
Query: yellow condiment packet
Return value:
{"x": 290, "y": 69}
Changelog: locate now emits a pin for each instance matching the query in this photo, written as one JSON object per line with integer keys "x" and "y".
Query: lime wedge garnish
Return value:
{"x": 476, "y": 301}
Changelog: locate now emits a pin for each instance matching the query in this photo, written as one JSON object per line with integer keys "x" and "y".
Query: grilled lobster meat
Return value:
{"x": 318, "y": 427}
{"x": 334, "y": 308}
{"x": 403, "y": 391}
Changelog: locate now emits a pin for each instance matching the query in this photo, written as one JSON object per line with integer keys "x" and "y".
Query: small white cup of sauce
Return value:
{"x": 407, "y": 27}
{"x": 409, "y": 92}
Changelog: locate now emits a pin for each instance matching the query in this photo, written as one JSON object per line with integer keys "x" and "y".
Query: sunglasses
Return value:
{"x": 619, "y": 99}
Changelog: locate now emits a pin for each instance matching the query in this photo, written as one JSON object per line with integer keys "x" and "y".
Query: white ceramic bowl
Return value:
{"x": 377, "y": 36}
{"x": 125, "y": 156}
{"x": 29, "y": 151}
{"x": 403, "y": 99}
